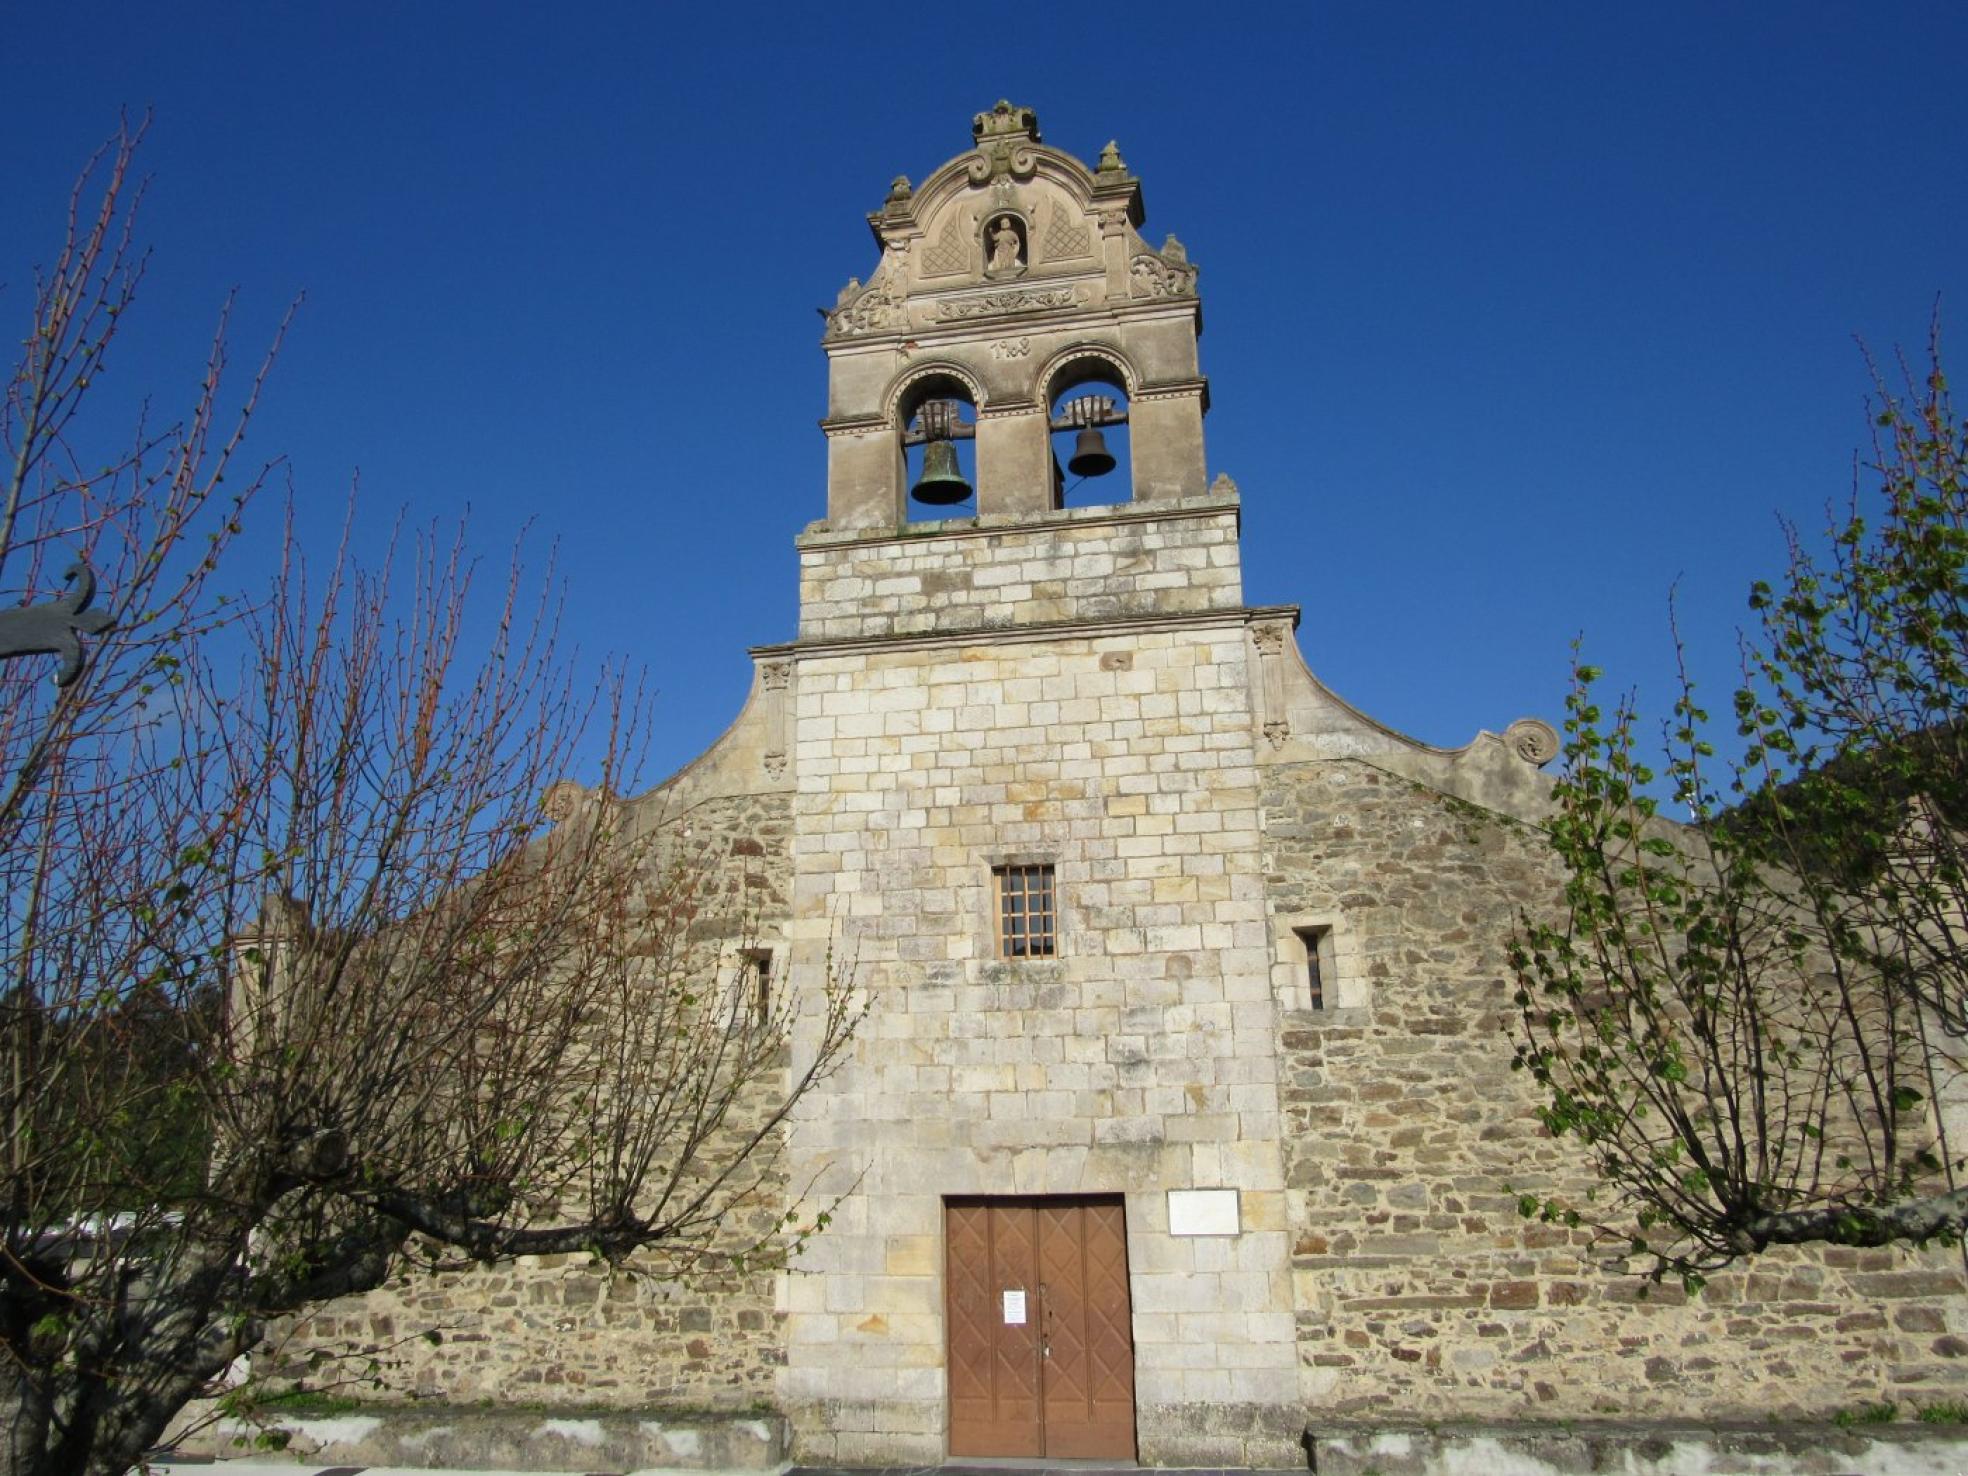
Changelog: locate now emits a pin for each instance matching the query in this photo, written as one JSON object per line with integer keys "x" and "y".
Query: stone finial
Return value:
{"x": 563, "y": 799}
{"x": 899, "y": 189}
{"x": 1110, "y": 159}
{"x": 282, "y": 916}
{"x": 1223, "y": 486}
{"x": 1005, "y": 121}
{"x": 1174, "y": 250}
{"x": 1533, "y": 740}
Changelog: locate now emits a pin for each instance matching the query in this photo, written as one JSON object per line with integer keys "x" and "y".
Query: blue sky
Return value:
{"x": 1515, "y": 314}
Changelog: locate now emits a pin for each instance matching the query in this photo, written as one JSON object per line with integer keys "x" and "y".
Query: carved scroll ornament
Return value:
{"x": 1151, "y": 276}
{"x": 874, "y": 311}
{"x": 874, "y": 308}
{"x": 1014, "y": 300}
{"x": 1002, "y": 158}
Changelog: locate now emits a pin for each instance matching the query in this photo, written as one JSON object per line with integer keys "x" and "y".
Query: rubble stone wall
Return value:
{"x": 557, "y": 1329}
{"x": 1420, "y": 1292}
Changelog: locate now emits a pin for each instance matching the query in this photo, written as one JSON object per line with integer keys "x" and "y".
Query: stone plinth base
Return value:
{"x": 1636, "y": 1449}
{"x": 530, "y": 1440}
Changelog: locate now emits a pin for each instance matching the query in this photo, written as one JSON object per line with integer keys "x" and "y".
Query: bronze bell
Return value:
{"x": 942, "y": 480}
{"x": 1091, "y": 458}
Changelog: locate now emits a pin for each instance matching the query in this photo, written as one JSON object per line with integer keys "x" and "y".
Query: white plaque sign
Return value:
{"x": 1203, "y": 1212}
{"x": 1014, "y": 1307}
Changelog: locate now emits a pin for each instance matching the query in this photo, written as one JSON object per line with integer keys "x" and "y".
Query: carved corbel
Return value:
{"x": 1269, "y": 639}
{"x": 1115, "y": 243}
{"x": 776, "y": 677}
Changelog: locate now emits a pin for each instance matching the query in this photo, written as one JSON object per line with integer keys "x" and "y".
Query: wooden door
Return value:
{"x": 1041, "y": 1349}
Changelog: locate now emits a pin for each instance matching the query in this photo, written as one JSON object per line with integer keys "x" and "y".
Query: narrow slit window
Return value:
{"x": 1317, "y": 943}
{"x": 1028, "y": 918}
{"x": 757, "y": 980}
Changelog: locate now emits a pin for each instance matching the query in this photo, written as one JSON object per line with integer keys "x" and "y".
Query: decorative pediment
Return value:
{"x": 1012, "y": 209}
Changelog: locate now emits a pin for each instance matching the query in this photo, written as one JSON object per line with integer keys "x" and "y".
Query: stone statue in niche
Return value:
{"x": 1007, "y": 258}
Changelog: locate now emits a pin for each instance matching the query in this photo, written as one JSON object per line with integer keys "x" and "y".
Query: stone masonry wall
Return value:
{"x": 1093, "y": 563}
{"x": 556, "y": 1329}
{"x": 1420, "y": 1292}
{"x": 1140, "y": 1059}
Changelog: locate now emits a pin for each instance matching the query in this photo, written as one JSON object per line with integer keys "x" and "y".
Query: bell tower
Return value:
{"x": 1022, "y": 730}
{"x": 1012, "y": 275}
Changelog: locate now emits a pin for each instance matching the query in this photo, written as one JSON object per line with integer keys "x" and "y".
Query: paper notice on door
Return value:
{"x": 1014, "y": 1308}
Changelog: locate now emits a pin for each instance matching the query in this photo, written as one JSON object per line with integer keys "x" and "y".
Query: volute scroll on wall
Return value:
{"x": 1164, "y": 273}
{"x": 1005, "y": 135}
{"x": 1019, "y": 161}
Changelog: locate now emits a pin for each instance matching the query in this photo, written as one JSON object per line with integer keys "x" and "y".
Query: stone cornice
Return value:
{"x": 927, "y": 337}
{"x": 1049, "y": 630}
{"x": 854, "y": 425}
{"x": 1168, "y": 389}
{"x": 1175, "y": 389}
{"x": 820, "y": 536}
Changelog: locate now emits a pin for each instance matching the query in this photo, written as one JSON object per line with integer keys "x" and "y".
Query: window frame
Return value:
{"x": 1334, "y": 936}
{"x": 1320, "y": 973}
{"x": 756, "y": 1003}
{"x": 1012, "y": 896}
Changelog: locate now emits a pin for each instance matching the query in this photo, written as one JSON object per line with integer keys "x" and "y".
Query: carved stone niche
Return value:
{"x": 1006, "y": 249}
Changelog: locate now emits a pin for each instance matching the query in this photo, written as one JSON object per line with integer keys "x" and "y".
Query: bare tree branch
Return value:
{"x": 300, "y": 982}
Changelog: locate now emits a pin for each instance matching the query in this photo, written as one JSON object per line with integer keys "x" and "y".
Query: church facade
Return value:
{"x": 1179, "y": 1118}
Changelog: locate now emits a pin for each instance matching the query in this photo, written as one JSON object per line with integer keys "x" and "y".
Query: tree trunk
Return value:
{"x": 24, "y": 1434}
{"x": 1912, "y": 1222}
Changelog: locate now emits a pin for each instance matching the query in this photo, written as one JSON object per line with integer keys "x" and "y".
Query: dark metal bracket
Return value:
{"x": 56, "y": 628}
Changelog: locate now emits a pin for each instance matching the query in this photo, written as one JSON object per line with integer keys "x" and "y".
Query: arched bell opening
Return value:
{"x": 937, "y": 441}
{"x": 1093, "y": 464}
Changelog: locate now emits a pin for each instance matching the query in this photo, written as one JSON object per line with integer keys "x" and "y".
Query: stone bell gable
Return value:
{"x": 1014, "y": 272}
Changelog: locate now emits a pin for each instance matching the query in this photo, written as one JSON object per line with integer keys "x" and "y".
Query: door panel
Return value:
{"x": 1089, "y": 1363}
{"x": 1014, "y": 1258}
{"x": 1061, "y": 1383}
{"x": 993, "y": 1368}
